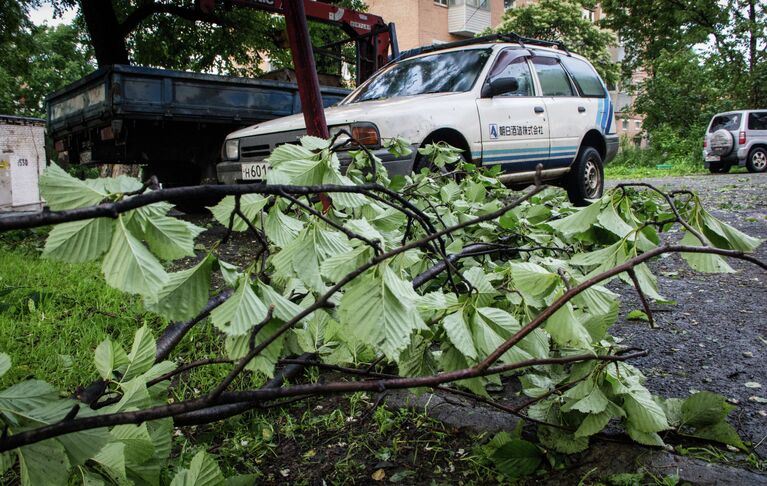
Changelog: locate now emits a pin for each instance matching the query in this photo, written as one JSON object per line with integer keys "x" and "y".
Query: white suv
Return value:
{"x": 516, "y": 104}
{"x": 736, "y": 138}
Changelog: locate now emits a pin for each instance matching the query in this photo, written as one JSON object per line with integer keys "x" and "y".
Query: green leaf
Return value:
{"x": 203, "y": 471}
{"x": 62, "y": 191}
{"x": 704, "y": 408}
{"x": 593, "y": 424}
{"x": 169, "y": 238}
{"x": 112, "y": 459}
{"x": 5, "y": 363}
{"x": 459, "y": 333}
{"x": 644, "y": 438}
{"x": 644, "y": 414}
{"x": 280, "y": 227}
{"x": 578, "y": 222}
{"x": 612, "y": 222}
{"x": 517, "y": 458}
{"x": 532, "y": 279}
{"x": 142, "y": 354}
{"x": 704, "y": 262}
{"x": 380, "y": 309}
{"x": 25, "y": 396}
{"x": 185, "y": 293}
{"x": 130, "y": 267}
{"x": 637, "y": 315}
{"x": 79, "y": 241}
{"x": 719, "y": 432}
{"x": 137, "y": 441}
{"x": 250, "y": 205}
{"x": 561, "y": 440}
{"x": 566, "y": 329}
{"x": 239, "y": 346}
{"x": 104, "y": 359}
{"x": 230, "y": 273}
{"x": 241, "y": 312}
{"x": 593, "y": 403}
{"x": 44, "y": 463}
{"x": 485, "y": 290}
{"x": 417, "y": 359}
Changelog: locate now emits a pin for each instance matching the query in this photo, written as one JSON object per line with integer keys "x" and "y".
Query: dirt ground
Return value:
{"x": 715, "y": 337}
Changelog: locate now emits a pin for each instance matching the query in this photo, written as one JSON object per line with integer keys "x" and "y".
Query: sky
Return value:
{"x": 44, "y": 14}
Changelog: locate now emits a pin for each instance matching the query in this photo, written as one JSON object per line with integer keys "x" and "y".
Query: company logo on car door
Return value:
{"x": 493, "y": 131}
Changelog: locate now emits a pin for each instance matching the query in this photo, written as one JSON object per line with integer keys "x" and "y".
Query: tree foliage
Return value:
{"x": 520, "y": 294}
{"x": 728, "y": 38}
{"x": 563, "y": 20}
{"x": 38, "y": 61}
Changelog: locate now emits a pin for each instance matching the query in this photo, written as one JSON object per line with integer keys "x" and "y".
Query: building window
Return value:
{"x": 441, "y": 2}
{"x": 625, "y": 124}
{"x": 507, "y": 4}
{"x": 638, "y": 123}
{"x": 478, "y": 4}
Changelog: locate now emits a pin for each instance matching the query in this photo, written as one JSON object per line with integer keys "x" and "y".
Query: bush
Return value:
{"x": 667, "y": 147}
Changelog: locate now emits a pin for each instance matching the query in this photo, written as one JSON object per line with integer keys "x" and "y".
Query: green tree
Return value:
{"x": 733, "y": 35}
{"x": 41, "y": 60}
{"x": 563, "y": 20}
{"x": 175, "y": 35}
{"x": 682, "y": 94}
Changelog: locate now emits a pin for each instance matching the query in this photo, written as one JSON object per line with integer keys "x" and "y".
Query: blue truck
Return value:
{"x": 171, "y": 122}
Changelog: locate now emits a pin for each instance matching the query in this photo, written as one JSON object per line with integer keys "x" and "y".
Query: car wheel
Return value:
{"x": 719, "y": 168}
{"x": 586, "y": 179}
{"x": 757, "y": 160}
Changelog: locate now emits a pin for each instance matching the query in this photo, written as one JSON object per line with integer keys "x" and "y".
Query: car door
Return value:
{"x": 514, "y": 125}
{"x": 567, "y": 112}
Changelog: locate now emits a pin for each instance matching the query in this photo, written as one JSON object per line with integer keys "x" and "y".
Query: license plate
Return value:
{"x": 713, "y": 158}
{"x": 255, "y": 171}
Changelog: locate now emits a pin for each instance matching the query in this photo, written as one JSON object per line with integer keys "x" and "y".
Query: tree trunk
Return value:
{"x": 752, "y": 53}
{"x": 106, "y": 32}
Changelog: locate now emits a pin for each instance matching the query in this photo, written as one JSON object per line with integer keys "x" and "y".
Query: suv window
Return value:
{"x": 585, "y": 77}
{"x": 757, "y": 121}
{"x": 727, "y": 122}
{"x": 447, "y": 72}
{"x": 554, "y": 80}
{"x": 517, "y": 68}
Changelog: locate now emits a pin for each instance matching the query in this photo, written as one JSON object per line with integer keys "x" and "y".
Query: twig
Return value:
{"x": 642, "y": 297}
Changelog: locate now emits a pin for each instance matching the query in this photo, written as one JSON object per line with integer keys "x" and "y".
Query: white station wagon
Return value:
{"x": 501, "y": 99}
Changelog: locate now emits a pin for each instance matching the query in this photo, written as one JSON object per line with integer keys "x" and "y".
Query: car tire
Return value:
{"x": 719, "y": 168}
{"x": 757, "y": 160}
{"x": 586, "y": 179}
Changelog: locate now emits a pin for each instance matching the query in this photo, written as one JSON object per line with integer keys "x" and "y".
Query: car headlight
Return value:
{"x": 232, "y": 149}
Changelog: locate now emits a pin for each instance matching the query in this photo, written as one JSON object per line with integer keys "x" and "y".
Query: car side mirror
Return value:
{"x": 499, "y": 86}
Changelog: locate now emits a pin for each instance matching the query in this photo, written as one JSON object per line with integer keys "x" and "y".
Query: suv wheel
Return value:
{"x": 757, "y": 160}
{"x": 722, "y": 168}
{"x": 586, "y": 179}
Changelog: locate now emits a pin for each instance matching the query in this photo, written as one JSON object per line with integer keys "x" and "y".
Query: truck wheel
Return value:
{"x": 757, "y": 160}
{"x": 586, "y": 179}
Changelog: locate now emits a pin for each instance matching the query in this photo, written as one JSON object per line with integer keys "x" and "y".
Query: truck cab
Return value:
{"x": 511, "y": 104}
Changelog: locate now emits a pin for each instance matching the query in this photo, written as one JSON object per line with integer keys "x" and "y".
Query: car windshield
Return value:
{"x": 727, "y": 122}
{"x": 448, "y": 72}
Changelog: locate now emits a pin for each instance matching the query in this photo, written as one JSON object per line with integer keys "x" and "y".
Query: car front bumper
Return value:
{"x": 231, "y": 172}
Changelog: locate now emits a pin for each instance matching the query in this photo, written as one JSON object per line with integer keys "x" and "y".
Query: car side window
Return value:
{"x": 757, "y": 121}
{"x": 585, "y": 77}
{"x": 553, "y": 78}
{"x": 518, "y": 68}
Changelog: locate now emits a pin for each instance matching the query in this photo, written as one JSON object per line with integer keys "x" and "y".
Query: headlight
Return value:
{"x": 232, "y": 149}
{"x": 366, "y": 134}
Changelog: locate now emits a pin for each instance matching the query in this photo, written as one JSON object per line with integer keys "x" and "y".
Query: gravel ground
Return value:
{"x": 715, "y": 337}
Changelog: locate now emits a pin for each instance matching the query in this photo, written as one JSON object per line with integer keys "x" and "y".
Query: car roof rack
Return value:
{"x": 500, "y": 37}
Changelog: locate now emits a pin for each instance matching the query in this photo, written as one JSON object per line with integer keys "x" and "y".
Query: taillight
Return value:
{"x": 742, "y": 138}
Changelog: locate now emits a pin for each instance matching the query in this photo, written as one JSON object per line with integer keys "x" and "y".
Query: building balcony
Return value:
{"x": 468, "y": 17}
